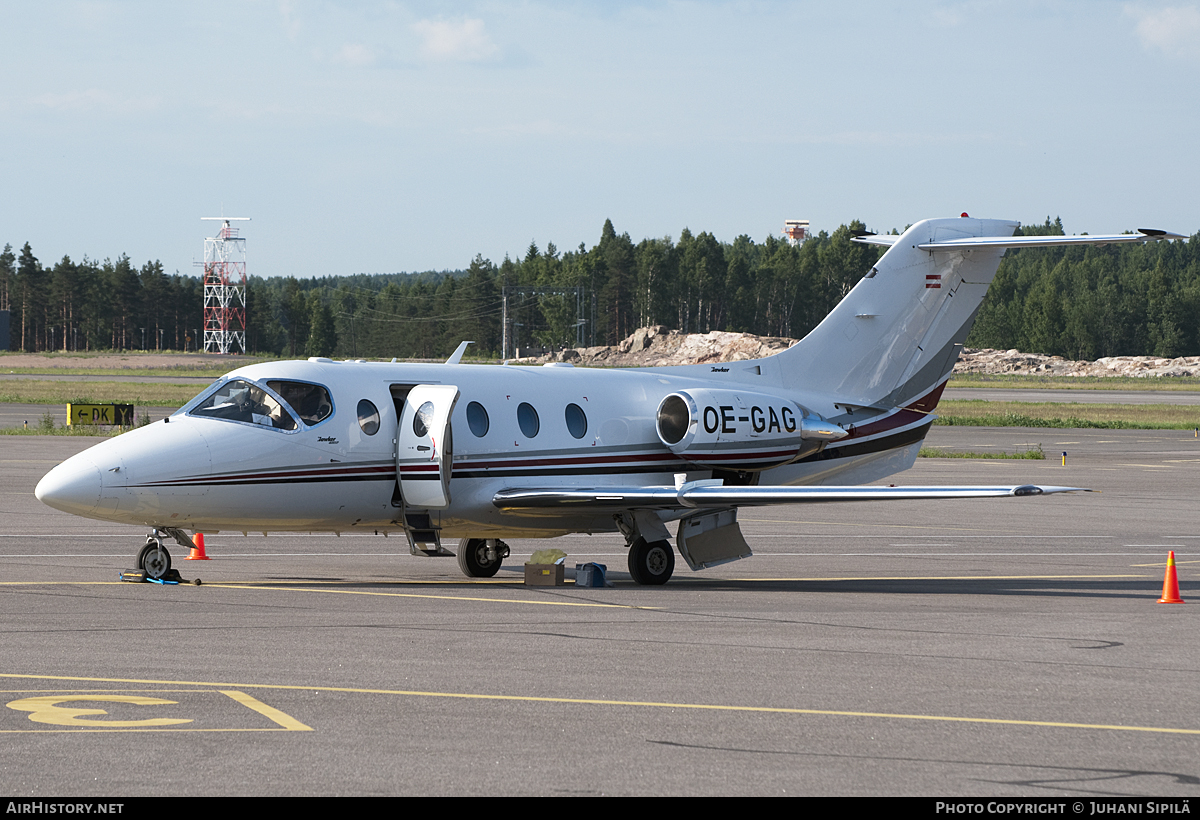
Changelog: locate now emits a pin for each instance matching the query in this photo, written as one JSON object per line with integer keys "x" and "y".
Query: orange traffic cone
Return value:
{"x": 197, "y": 553}
{"x": 1170, "y": 583}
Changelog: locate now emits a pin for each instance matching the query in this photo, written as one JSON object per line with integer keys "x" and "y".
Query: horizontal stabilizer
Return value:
{"x": 1143, "y": 235}
{"x": 691, "y": 496}
{"x": 885, "y": 239}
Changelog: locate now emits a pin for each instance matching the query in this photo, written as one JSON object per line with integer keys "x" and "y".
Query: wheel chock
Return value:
{"x": 138, "y": 576}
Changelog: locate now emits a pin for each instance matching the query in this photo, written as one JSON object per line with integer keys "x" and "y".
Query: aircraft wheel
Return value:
{"x": 155, "y": 560}
{"x": 651, "y": 563}
{"x": 473, "y": 559}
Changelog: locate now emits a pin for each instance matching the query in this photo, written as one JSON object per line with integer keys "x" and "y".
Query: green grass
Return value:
{"x": 46, "y": 426}
{"x": 198, "y": 372}
{"x": 148, "y": 394}
{"x": 936, "y": 452}
{"x": 977, "y": 413}
{"x": 1049, "y": 382}
{"x": 185, "y": 364}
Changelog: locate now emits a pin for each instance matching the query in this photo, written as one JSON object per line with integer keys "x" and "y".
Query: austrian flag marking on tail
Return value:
{"x": 933, "y": 280}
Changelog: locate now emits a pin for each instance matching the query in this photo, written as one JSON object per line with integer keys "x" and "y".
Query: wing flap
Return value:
{"x": 692, "y": 496}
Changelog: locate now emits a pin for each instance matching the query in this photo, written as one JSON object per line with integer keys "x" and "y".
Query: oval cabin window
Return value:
{"x": 368, "y": 417}
{"x": 576, "y": 421}
{"x": 477, "y": 419}
{"x": 527, "y": 418}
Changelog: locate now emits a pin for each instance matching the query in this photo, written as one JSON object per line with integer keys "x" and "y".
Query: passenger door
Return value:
{"x": 425, "y": 446}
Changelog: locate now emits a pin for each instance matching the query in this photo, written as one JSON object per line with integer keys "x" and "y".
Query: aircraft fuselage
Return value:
{"x": 588, "y": 427}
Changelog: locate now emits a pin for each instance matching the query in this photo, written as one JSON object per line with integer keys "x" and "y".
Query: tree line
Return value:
{"x": 1088, "y": 303}
{"x": 1076, "y": 302}
{"x": 91, "y": 305}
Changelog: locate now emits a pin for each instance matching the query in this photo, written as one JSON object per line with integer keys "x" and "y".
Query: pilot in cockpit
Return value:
{"x": 310, "y": 401}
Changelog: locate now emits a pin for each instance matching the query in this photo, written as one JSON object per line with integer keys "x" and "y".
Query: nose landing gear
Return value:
{"x": 153, "y": 560}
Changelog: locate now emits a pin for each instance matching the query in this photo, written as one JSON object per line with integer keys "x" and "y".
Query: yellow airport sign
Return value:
{"x": 121, "y": 414}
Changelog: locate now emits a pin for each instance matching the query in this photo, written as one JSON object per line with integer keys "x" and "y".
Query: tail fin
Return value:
{"x": 898, "y": 333}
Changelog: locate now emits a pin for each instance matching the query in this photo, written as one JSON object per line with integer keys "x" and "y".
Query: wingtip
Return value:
{"x": 1155, "y": 233}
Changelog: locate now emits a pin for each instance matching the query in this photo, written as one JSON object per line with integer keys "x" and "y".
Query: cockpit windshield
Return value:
{"x": 310, "y": 401}
{"x": 239, "y": 400}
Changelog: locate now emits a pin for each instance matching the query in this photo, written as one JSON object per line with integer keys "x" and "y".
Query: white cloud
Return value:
{"x": 354, "y": 54}
{"x": 456, "y": 40}
{"x": 95, "y": 99}
{"x": 1174, "y": 30}
{"x": 291, "y": 18}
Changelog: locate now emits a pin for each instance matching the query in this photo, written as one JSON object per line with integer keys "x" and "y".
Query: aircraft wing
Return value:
{"x": 700, "y": 494}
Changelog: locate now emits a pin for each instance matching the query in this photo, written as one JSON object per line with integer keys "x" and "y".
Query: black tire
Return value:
{"x": 155, "y": 561}
{"x": 473, "y": 559}
{"x": 651, "y": 563}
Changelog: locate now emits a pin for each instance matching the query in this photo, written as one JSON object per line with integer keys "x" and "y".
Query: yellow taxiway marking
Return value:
{"x": 62, "y": 709}
{"x": 269, "y": 712}
{"x": 328, "y": 591}
{"x": 60, "y": 583}
{"x": 433, "y": 582}
{"x": 712, "y": 707}
{"x": 945, "y": 578}
{"x": 51, "y": 709}
{"x": 433, "y": 597}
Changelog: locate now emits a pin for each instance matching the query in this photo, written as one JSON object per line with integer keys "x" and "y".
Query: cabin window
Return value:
{"x": 239, "y": 400}
{"x": 423, "y": 420}
{"x": 576, "y": 421}
{"x": 477, "y": 419}
{"x": 527, "y": 417}
{"x": 368, "y": 417}
{"x": 310, "y": 401}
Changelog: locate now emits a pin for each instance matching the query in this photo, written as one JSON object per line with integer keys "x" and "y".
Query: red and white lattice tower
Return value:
{"x": 225, "y": 288}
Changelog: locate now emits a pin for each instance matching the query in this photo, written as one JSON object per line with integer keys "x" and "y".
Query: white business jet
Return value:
{"x": 480, "y": 453}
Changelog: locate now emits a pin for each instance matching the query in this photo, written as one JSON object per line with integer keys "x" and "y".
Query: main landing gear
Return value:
{"x": 651, "y": 562}
{"x": 651, "y": 556}
{"x": 481, "y": 557}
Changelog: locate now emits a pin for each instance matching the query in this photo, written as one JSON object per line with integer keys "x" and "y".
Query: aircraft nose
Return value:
{"x": 73, "y": 486}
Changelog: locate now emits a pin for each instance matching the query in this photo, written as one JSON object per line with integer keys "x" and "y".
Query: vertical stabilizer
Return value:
{"x": 898, "y": 332}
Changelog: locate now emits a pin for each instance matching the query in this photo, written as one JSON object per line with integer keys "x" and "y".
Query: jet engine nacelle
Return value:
{"x": 740, "y": 430}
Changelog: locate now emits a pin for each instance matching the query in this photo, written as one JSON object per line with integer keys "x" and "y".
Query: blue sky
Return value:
{"x": 388, "y": 136}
